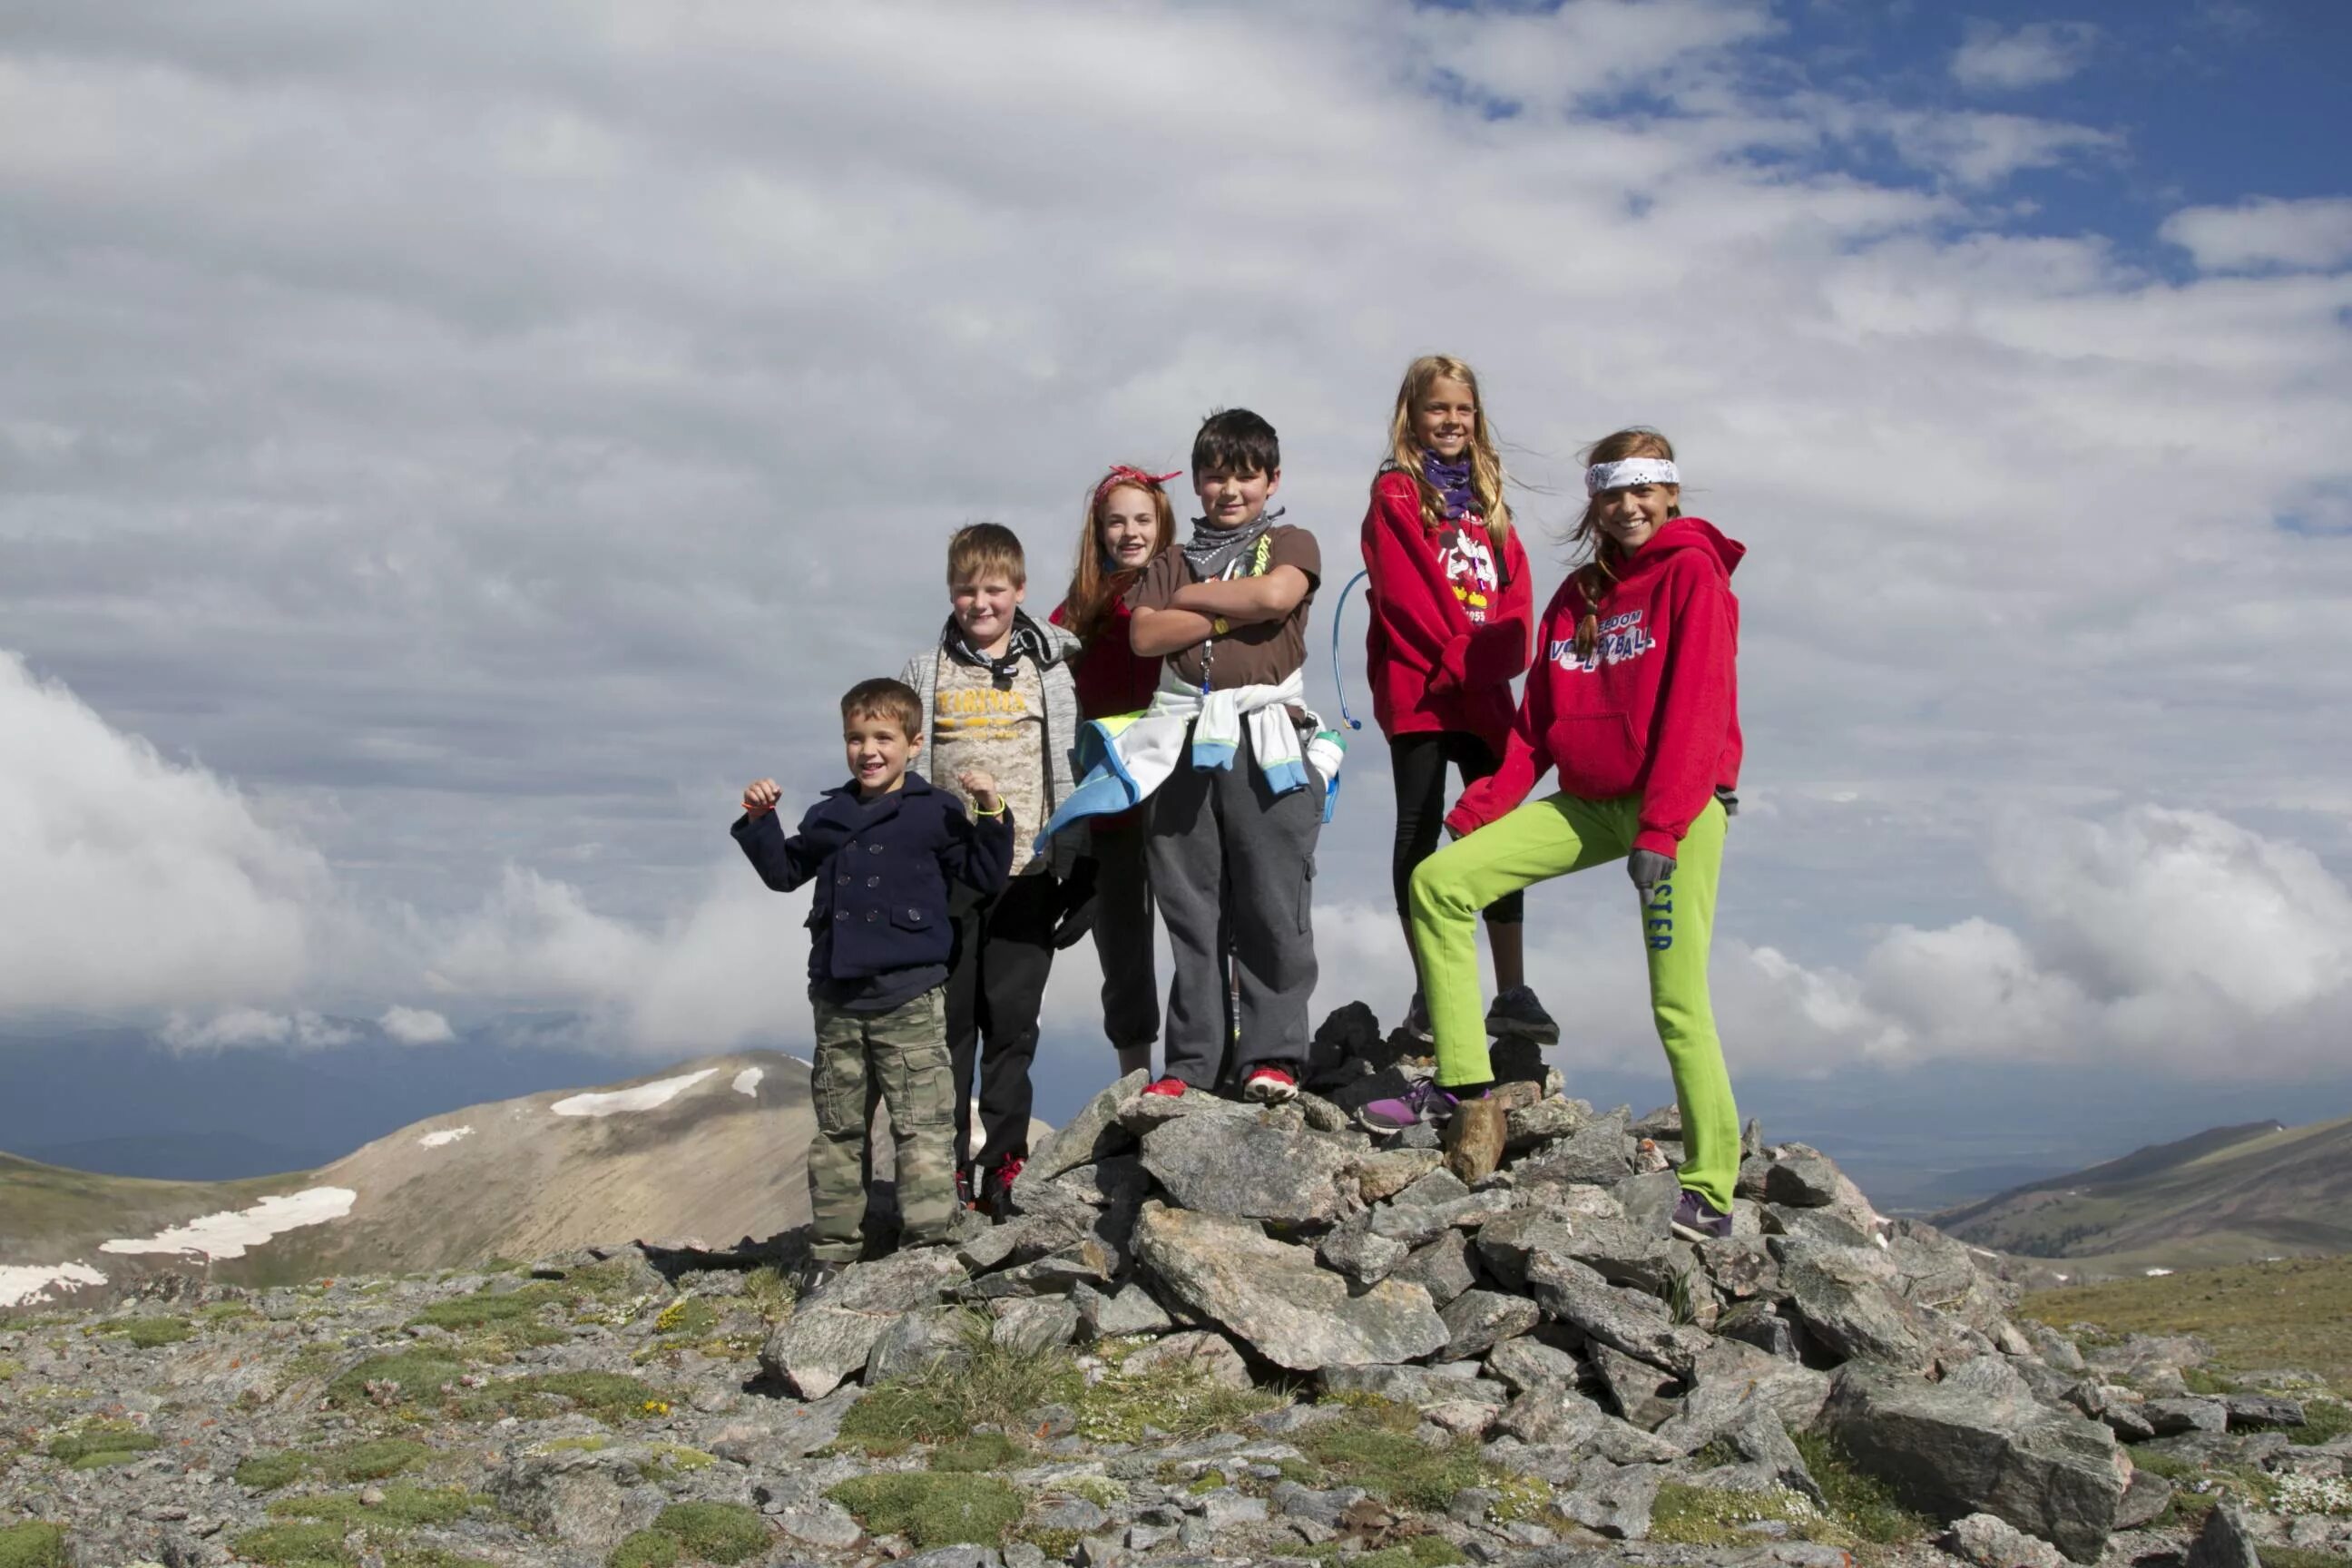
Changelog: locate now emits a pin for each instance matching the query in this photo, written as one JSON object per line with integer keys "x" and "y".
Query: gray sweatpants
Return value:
{"x": 1223, "y": 842}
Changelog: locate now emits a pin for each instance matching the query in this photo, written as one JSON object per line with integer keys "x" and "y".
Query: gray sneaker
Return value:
{"x": 1695, "y": 1219}
{"x": 1518, "y": 1016}
{"x": 1417, "y": 1023}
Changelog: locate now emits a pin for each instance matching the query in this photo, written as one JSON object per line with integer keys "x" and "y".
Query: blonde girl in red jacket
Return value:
{"x": 1452, "y": 607}
{"x": 1128, "y": 522}
{"x": 1634, "y": 699}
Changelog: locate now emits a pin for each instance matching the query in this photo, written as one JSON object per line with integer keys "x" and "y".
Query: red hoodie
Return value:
{"x": 1656, "y": 709}
{"x": 1111, "y": 677}
{"x": 1432, "y": 666}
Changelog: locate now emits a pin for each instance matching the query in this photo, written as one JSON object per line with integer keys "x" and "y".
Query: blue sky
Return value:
{"x": 440, "y": 460}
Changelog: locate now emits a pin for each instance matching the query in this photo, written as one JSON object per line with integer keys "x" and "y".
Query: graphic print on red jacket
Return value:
{"x": 1447, "y": 638}
{"x": 1653, "y": 709}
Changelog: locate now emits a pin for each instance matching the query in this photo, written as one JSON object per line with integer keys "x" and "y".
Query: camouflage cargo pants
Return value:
{"x": 905, "y": 1052}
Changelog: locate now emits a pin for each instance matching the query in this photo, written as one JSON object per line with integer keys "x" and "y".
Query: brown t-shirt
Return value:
{"x": 1261, "y": 653}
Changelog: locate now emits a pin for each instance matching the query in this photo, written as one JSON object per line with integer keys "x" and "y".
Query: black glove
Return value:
{"x": 1076, "y": 915}
{"x": 1648, "y": 869}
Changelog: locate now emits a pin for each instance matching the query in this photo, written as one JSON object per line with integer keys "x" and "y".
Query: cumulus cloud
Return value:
{"x": 2313, "y": 234}
{"x": 415, "y": 1025}
{"x": 133, "y": 881}
{"x": 235, "y": 1027}
{"x": 2035, "y": 55}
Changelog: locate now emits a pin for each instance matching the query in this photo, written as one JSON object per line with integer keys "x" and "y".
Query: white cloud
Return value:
{"x": 2038, "y": 54}
{"x": 2313, "y": 234}
{"x": 415, "y": 1025}
{"x": 135, "y": 882}
{"x": 256, "y": 1027}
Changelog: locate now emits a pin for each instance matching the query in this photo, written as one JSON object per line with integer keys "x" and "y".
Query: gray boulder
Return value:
{"x": 1983, "y": 1445}
{"x": 914, "y": 1342}
{"x": 1637, "y": 1324}
{"x": 1211, "y": 1354}
{"x": 833, "y": 1334}
{"x": 1847, "y": 1299}
{"x": 1130, "y": 1310}
{"x": 1442, "y": 1268}
{"x": 1525, "y": 1363}
{"x": 1545, "y": 1121}
{"x": 2171, "y": 1417}
{"x": 1615, "y": 1503}
{"x": 1032, "y": 1325}
{"x": 1250, "y": 1169}
{"x": 1385, "y": 1173}
{"x": 1595, "y": 1153}
{"x": 1353, "y": 1249}
{"x": 2226, "y": 1540}
{"x": 1991, "y": 1542}
{"x": 585, "y": 1499}
{"x": 1273, "y": 1298}
{"x": 1801, "y": 1181}
{"x": 1479, "y": 1320}
{"x": 1643, "y": 1394}
{"x": 1420, "y": 1386}
{"x": 1094, "y": 1134}
{"x": 1555, "y": 1416}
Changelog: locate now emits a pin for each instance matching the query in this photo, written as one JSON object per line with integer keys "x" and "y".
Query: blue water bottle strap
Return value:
{"x": 1340, "y": 614}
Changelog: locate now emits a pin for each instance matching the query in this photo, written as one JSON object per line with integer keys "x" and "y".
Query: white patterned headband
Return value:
{"x": 1627, "y": 472}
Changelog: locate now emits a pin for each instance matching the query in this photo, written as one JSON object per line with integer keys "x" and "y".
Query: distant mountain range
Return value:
{"x": 2224, "y": 1195}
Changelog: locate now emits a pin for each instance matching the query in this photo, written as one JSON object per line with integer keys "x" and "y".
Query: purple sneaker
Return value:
{"x": 1695, "y": 1219}
{"x": 1425, "y": 1102}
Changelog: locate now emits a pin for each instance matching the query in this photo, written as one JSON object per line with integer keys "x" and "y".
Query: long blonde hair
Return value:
{"x": 1486, "y": 466}
{"x": 1601, "y": 556}
{"x": 1094, "y": 584}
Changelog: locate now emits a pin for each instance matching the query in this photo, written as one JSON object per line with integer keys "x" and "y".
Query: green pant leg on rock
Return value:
{"x": 836, "y": 1155}
{"x": 1541, "y": 839}
{"x": 1677, "y": 927}
{"x": 910, "y": 1056}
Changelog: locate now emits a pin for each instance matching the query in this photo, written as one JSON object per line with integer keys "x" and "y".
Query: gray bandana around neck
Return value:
{"x": 1211, "y": 552}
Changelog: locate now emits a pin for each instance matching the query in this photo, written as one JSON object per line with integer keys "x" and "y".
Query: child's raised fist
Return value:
{"x": 760, "y": 798}
{"x": 981, "y": 785}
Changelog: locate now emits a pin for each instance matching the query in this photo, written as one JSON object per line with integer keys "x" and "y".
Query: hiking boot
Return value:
{"x": 1423, "y": 1104}
{"x": 1269, "y": 1085}
{"x": 818, "y": 1273}
{"x": 996, "y": 1188}
{"x": 1695, "y": 1219}
{"x": 1417, "y": 1023}
{"x": 1518, "y": 1016}
{"x": 964, "y": 1200}
{"x": 1170, "y": 1087}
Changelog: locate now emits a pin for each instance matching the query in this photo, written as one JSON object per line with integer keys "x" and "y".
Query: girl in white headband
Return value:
{"x": 1634, "y": 700}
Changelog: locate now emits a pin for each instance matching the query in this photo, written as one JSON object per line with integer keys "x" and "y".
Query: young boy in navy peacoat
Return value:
{"x": 883, "y": 851}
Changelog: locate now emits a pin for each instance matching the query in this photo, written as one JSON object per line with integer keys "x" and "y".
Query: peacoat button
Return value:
{"x": 871, "y": 881}
{"x": 841, "y": 914}
{"x": 871, "y": 848}
{"x": 853, "y": 844}
{"x": 843, "y": 878}
{"x": 874, "y": 914}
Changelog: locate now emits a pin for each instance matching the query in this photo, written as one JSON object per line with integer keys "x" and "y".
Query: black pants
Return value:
{"x": 996, "y": 982}
{"x": 1417, "y": 764}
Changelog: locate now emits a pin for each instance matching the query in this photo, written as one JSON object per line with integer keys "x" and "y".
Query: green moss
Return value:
{"x": 148, "y": 1333}
{"x": 1519, "y": 1500}
{"x": 297, "y": 1546}
{"x": 1862, "y": 1504}
{"x": 224, "y": 1311}
{"x": 35, "y": 1543}
{"x": 102, "y": 1443}
{"x": 2204, "y": 1381}
{"x": 1697, "y": 1516}
{"x": 646, "y": 1549}
{"x": 1419, "y": 1551}
{"x": 419, "y": 1374}
{"x": 402, "y": 1507}
{"x": 2171, "y": 1466}
{"x": 267, "y": 1471}
{"x": 1373, "y": 1446}
{"x": 769, "y": 1291}
{"x": 374, "y": 1461}
{"x": 488, "y": 1306}
{"x": 689, "y": 1317}
{"x": 946, "y": 1401}
{"x": 1057, "y": 1545}
{"x": 1174, "y": 1398}
{"x": 678, "y": 1457}
{"x": 2299, "y": 1557}
{"x": 715, "y": 1532}
{"x": 981, "y": 1452}
{"x": 2324, "y": 1421}
{"x": 932, "y": 1509}
{"x": 10, "y": 1369}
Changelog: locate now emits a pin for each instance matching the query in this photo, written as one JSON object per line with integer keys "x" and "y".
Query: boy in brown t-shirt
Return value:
{"x": 1228, "y": 608}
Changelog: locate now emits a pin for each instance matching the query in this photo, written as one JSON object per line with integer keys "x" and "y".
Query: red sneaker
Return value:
{"x": 996, "y": 1187}
{"x": 1172, "y": 1087}
{"x": 1269, "y": 1085}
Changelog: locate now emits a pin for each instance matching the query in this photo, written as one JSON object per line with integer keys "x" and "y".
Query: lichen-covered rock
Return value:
{"x": 1272, "y": 1295}
{"x": 1250, "y": 1169}
{"x": 1982, "y": 1445}
{"x": 1846, "y": 1298}
{"x": 1479, "y": 1320}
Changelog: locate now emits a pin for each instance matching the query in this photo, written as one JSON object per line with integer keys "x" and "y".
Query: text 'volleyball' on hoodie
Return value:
{"x": 1654, "y": 710}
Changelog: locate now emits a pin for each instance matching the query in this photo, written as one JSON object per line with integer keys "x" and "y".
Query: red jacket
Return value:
{"x": 1111, "y": 677}
{"x": 1655, "y": 711}
{"x": 1432, "y": 667}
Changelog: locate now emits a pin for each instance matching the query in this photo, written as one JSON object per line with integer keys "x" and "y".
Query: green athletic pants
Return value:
{"x": 1547, "y": 838}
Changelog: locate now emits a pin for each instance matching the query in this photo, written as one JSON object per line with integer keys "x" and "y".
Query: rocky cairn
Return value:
{"x": 1502, "y": 1306}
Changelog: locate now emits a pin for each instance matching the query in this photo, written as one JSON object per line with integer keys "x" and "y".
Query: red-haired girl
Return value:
{"x": 1129, "y": 520}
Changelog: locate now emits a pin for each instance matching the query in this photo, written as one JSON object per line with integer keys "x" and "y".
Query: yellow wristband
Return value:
{"x": 998, "y": 811}
{"x": 1218, "y": 627}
